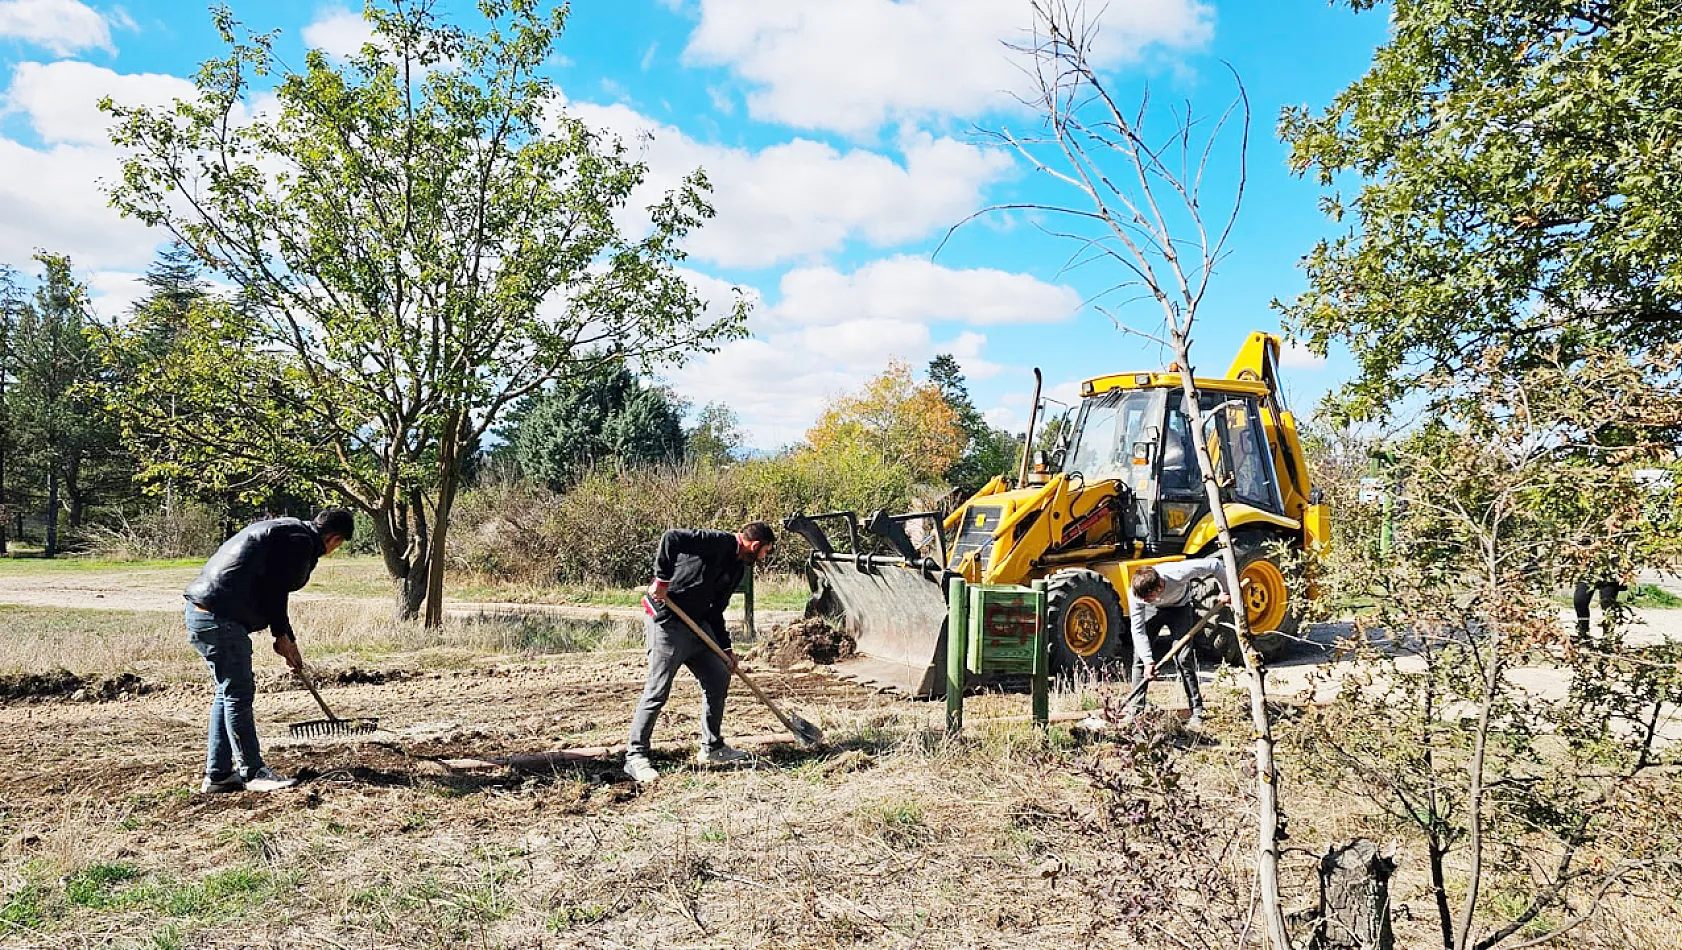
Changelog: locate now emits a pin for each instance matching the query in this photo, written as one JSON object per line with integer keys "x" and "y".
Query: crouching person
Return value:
{"x": 1159, "y": 605}
{"x": 242, "y": 590}
{"x": 697, "y": 571}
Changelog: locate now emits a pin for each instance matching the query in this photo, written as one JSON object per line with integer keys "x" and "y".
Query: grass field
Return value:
{"x": 891, "y": 835}
{"x": 365, "y": 577}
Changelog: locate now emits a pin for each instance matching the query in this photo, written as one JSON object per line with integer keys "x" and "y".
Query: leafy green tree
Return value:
{"x": 1528, "y": 803}
{"x": 609, "y": 417}
{"x": 421, "y": 237}
{"x": 1518, "y": 165}
{"x": 12, "y": 304}
{"x": 987, "y": 451}
{"x": 61, "y": 430}
{"x": 717, "y": 435}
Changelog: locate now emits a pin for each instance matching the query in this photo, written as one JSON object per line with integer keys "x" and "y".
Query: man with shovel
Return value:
{"x": 243, "y": 589}
{"x": 1159, "y": 600}
{"x": 697, "y": 571}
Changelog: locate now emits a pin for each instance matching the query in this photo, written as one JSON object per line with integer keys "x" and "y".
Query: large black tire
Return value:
{"x": 1083, "y": 619}
{"x": 1274, "y": 621}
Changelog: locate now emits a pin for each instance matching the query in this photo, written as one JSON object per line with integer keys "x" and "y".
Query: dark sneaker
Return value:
{"x": 723, "y": 755}
{"x": 266, "y": 779}
{"x": 224, "y": 783}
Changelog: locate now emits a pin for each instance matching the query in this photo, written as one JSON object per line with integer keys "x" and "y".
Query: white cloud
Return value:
{"x": 115, "y": 292}
{"x": 919, "y": 290}
{"x": 804, "y": 198}
{"x": 51, "y": 196}
{"x": 828, "y": 332}
{"x": 61, "y": 99}
{"x": 1293, "y": 355}
{"x": 63, "y": 26}
{"x": 854, "y": 66}
{"x": 51, "y": 199}
{"x": 338, "y": 32}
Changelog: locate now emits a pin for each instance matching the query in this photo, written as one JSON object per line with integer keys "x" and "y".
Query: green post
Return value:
{"x": 747, "y": 604}
{"x": 957, "y": 635}
{"x": 1042, "y": 662}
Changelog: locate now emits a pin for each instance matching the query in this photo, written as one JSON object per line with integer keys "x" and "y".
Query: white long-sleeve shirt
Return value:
{"x": 1176, "y": 592}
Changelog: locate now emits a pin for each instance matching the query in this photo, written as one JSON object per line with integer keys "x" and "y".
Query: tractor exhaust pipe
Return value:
{"x": 1028, "y": 444}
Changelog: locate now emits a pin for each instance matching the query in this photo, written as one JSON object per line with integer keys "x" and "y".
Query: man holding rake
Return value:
{"x": 242, "y": 590}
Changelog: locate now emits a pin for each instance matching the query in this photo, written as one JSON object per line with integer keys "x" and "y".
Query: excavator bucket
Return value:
{"x": 893, "y": 607}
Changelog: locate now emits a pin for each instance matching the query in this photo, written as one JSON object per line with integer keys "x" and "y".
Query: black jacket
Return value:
{"x": 249, "y": 577}
{"x": 701, "y": 571}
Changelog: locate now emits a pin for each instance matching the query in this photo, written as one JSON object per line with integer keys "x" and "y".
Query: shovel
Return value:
{"x": 807, "y": 733}
{"x": 332, "y": 725}
{"x": 1172, "y": 652}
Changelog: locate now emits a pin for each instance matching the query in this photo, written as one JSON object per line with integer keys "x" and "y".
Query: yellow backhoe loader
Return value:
{"x": 1121, "y": 491}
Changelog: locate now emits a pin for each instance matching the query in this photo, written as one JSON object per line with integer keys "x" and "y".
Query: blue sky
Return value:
{"x": 840, "y": 139}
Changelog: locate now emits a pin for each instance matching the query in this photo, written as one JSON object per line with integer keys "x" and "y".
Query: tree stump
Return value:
{"x": 1354, "y": 899}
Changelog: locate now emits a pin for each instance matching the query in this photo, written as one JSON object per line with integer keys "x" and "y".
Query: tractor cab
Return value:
{"x": 1134, "y": 431}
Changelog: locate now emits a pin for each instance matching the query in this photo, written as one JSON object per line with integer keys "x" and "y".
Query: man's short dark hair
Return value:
{"x": 336, "y": 521}
{"x": 1146, "y": 581}
{"x": 760, "y": 532}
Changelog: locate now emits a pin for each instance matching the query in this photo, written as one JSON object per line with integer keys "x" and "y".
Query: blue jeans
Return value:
{"x": 231, "y": 740}
{"x": 668, "y": 651}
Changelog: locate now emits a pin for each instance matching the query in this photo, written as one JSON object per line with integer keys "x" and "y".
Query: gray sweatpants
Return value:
{"x": 667, "y": 651}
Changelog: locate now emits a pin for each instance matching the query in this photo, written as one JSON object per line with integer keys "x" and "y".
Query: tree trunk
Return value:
{"x": 449, "y": 478}
{"x": 1354, "y": 899}
{"x": 1268, "y": 824}
{"x": 1475, "y": 793}
{"x": 400, "y": 534}
{"x": 50, "y": 546}
{"x": 411, "y": 592}
{"x": 4, "y": 512}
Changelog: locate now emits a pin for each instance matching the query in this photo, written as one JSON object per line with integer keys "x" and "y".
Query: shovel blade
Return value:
{"x": 807, "y": 733}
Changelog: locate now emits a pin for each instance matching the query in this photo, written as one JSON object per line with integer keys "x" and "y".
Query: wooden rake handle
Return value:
{"x": 314, "y": 692}
{"x": 734, "y": 668}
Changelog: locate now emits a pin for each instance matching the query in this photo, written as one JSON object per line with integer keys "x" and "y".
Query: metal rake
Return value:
{"x": 332, "y": 725}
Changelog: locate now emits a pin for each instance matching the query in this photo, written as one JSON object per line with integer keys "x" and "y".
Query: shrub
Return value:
{"x": 185, "y": 529}
{"x": 603, "y": 530}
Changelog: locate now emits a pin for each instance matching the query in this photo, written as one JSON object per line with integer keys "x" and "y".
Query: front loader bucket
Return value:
{"x": 894, "y": 611}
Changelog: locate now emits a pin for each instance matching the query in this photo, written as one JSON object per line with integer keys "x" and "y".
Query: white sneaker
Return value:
{"x": 640, "y": 769}
{"x": 266, "y": 779}
{"x": 1194, "y": 721}
{"x": 722, "y": 755}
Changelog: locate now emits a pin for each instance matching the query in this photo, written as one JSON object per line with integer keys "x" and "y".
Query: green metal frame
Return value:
{"x": 969, "y": 648}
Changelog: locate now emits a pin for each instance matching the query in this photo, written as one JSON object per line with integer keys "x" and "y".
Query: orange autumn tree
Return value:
{"x": 893, "y": 419}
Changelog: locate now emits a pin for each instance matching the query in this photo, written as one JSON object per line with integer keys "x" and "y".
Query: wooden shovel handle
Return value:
{"x": 734, "y": 667}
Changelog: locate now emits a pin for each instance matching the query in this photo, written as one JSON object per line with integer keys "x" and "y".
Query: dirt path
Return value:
{"x": 1313, "y": 670}
{"x": 158, "y": 590}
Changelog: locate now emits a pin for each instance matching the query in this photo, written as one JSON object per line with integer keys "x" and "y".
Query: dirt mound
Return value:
{"x": 282, "y": 680}
{"x": 805, "y": 641}
{"x": 61, "y": 684}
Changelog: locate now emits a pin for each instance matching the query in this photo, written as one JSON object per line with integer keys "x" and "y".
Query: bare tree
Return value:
{"x": 1140, "y": 210}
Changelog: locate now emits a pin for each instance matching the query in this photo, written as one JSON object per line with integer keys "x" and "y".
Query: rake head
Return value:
{"x": 334, "y": 727}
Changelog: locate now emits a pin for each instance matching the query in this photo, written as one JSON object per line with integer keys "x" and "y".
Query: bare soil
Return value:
{"x": 63, "y": 684}
{"x": 804, "y": 643}
{"x": 889, "y": 836}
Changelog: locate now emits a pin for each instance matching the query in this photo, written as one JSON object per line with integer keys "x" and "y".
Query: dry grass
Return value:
{"x": 892, "y": 837}
{"x": 895, "y": 837}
